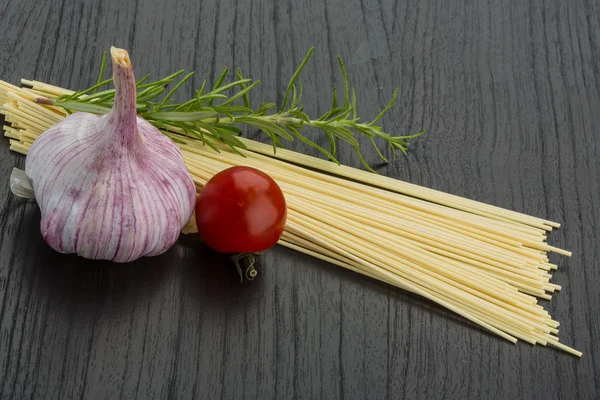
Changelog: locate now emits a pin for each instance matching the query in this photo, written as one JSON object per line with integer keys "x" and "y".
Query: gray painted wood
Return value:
{"x": 510, "y": 94}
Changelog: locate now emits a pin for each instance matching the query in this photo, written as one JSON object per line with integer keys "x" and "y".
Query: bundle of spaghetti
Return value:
{"x": 487, "y": 264}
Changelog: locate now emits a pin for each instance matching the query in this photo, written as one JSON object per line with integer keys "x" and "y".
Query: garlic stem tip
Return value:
{"x": 120, "y": 56}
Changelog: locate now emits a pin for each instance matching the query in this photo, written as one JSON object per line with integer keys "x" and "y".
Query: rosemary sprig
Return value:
{"x": 213, "y": 114}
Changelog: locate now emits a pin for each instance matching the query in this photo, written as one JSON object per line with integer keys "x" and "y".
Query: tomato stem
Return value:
{"x": 248, "y": 259}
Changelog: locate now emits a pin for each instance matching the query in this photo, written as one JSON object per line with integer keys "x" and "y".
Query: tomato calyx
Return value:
{"x": 248, "y": 260}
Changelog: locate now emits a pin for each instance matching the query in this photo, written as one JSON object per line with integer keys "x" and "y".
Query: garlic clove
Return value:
{"x": 190, "y": 227}
{"x": 113, "y": 186}
{"x": 20, "y": 184}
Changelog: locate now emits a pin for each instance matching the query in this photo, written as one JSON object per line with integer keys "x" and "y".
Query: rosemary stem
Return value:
{"x": 217, "y": 113}
{"x": 277, "y": 119}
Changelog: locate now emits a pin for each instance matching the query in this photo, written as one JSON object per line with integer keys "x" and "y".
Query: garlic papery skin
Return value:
{"x": 110, "y": 187}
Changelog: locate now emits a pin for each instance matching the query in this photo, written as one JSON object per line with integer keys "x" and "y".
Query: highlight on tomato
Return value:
{"x": 241, "y": 211}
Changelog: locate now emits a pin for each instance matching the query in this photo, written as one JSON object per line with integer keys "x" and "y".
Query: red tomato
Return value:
{"x": 241, "y": 210}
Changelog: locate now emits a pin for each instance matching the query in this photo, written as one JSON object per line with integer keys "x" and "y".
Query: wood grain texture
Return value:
{"x": 510, "y": 94}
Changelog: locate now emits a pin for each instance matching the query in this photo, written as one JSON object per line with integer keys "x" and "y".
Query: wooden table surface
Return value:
{"x": 509, "y": 92}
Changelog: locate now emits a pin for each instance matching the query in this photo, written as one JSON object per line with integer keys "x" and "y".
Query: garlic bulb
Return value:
{"x": 110, "y": 187}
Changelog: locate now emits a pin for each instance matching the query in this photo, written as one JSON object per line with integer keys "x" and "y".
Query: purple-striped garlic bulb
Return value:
{"x": 110, "y": 187}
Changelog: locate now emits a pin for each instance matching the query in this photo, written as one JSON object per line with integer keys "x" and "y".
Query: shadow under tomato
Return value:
{"x": 212, "y": 279}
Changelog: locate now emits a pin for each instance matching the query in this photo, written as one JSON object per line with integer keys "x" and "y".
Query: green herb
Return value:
{"x": 213, "y": 114}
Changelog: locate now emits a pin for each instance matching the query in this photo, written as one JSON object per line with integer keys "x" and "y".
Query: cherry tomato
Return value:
{"x": 241, "y": 210}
